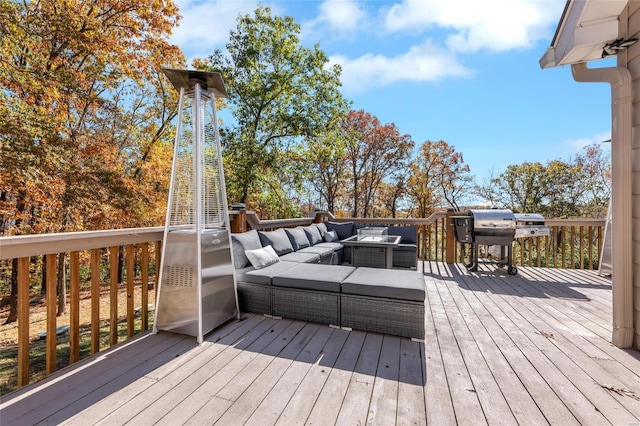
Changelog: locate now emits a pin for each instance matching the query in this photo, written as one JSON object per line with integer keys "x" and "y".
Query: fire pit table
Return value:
{"x": 372, "y": 247}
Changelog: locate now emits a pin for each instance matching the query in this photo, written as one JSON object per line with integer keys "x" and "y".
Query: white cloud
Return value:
{"x": 426, "y": 62}
{"x": 579, "y": 143}
{"x": 205, "y": 25}
{"x": 336, "y": 18}
{"x": 496, "y": 25}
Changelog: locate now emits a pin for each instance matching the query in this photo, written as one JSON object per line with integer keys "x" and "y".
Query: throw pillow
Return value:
{"x": 331, "y": 236}
{"x": 262, "y": 257}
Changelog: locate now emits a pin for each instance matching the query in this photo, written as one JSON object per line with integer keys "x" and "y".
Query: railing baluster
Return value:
{"x": 144, "y": 275}
{"x": 129, "y": 260}
{"x": 113, "y": 295}
{"x": 23, "y": 321}
{"x": 581, "y": 266}
{"x": 52, "y": 305}
{"x": 74, "y": 307}
{"x": 95, "y": 301}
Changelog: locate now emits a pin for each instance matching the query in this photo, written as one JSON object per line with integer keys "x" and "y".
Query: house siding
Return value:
{"x": 630, "y": 27}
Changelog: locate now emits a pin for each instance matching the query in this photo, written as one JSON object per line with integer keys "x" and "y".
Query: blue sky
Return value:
{"x": 464, "y": 71}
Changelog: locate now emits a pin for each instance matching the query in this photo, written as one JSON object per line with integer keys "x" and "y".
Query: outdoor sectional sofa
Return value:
{"x": 307, "y": 280}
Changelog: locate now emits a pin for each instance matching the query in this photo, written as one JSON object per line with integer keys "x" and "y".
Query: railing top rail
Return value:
{"x": 575, "y": 222}
{"x": 396, "y": 221}
{"x": 35, "y": 245}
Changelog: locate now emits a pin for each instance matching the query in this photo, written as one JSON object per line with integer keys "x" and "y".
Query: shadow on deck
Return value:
{"x": 531, "y": 348}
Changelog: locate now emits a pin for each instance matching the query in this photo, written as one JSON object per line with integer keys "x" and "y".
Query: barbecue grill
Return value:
{"x": 497, "y": 229}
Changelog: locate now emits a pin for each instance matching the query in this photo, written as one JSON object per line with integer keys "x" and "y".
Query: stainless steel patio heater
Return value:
{"x": 197, "y": 290}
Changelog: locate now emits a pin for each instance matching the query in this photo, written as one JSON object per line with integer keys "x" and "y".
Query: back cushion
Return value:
{"x": 313, "y": 234}
{"x": 245, "y": 241}
{"x": 407, "y": 233}
{"x": 321, "y": 227}
{"x": 298, "y": 238}
{"x": 277, "y": 239}
{"x": 344, "y": 230}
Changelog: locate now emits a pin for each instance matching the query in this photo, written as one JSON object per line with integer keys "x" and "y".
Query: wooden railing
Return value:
{"x": 572, "y": 244}
{"x": 87, "y": 249}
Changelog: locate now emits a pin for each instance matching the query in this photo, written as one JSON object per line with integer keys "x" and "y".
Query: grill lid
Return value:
{"x": 488, "y": 219}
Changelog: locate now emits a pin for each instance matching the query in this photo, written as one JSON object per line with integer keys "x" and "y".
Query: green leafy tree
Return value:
{"x": 579, "y": 187}
{"x": 279, "y": 93}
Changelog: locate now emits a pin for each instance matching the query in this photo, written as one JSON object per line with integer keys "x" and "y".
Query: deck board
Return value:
{"x": 526, "y": 349}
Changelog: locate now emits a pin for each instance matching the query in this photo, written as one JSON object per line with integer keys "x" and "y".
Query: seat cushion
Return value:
{"x": 334, "y": 246}
{"x": 344, "y": 230}
{"x": 262, "y": 276}
{"x": 313, "y": 277}
{"x": 249, "y": 240}
{"x": 298, "y": 238}
{"x": 277, "y": 239}
{"x": 313, "y": 234}
{"x": 322, "y": 251}
{"x": 300, "y": 257}
{"x": 387, "y": 283}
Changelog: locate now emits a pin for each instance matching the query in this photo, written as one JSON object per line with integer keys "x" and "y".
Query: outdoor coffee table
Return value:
{"x": 374, "y": 252}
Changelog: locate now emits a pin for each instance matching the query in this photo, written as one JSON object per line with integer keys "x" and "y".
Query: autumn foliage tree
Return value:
{"x": 375, "y": 151}
{"x": 84, "y": 111}
{"x": 439, "y": 177}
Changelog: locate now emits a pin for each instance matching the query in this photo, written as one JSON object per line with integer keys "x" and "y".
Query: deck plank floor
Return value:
{"x": 526, "y": 349}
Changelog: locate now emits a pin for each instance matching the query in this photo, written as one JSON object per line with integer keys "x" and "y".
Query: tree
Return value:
{"x": 77, "y": 77}
{"x": 374, "y": 153}
{"x": 438, "y": 176}
{"x": 558, "y": 189}
{"x": 279, "y": 93}
{"x": 327, "y": 156}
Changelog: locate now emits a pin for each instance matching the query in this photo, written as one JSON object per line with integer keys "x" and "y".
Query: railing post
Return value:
{"x": 239, "y": 218}
{"x": 450, "y": 238}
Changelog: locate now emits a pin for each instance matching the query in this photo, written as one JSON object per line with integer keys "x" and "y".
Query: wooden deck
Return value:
{"x": 527, "y": 349}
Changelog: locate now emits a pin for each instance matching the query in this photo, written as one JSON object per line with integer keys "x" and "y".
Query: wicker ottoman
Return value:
{"x": 388, "y": 301}
{"x": 254, "y": 287}
{"x": 309, "y": 292}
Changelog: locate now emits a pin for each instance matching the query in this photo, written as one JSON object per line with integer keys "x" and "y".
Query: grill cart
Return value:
{"x": 496, "y": 229}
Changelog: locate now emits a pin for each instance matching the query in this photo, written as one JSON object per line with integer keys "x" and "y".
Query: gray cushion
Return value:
{"x": 407, "y": 233}
{"x": 313, "y": 277}
{"x": 300, "y": 257}
{"x": 322, "y": 251}
{"x": 330, "y": 236}
{"x": 321, "y": 227}
{"x": 313, "y": 234}
{"x": 277, "y": 239}
{"x": 334, "y": 246}
{"x": 387, "y": 283}
{"x": 262, "y": 276}
{"x": 344, "y": 230}
{"x": 298, "y": 238}
{"x": 245, "y": 241}
{"x": 262, "y": 257}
